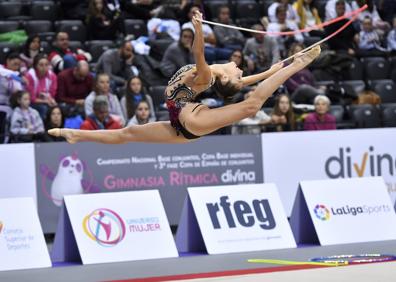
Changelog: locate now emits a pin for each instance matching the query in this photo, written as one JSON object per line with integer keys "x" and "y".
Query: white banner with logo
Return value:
{"x": 241, "y": 218}
{"x": 22, "y": 244}
{"x": 114, "y": 227}
{"x": 289, "y": 158}
{"x": 349, "y": 210}
{"x": 17, "y": 171}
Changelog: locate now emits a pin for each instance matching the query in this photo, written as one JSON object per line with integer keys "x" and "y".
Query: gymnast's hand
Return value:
{"x": 274, "y": 68}
{"x": 196, "y": 20}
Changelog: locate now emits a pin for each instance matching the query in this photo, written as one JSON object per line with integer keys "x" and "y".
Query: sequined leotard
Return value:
{"x": 178, "y": 95}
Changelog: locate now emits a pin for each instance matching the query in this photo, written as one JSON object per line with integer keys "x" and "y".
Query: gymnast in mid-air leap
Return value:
{"x": 188, "y": 119}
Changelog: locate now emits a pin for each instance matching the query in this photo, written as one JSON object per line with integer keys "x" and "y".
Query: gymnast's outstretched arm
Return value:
{"x": 252, "y": 79}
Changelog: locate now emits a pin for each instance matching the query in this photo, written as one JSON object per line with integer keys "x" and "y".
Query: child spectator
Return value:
{"x": 55, "y": 119}
{"x": 282, "y": 115}
{"x": 369, "y": 40}
{"x": 26, "y": 123}
{"x": 142, "y": 114}
{"x": 291, "y": 13}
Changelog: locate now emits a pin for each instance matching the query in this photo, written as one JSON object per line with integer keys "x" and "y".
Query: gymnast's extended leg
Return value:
{"x": 155, "y": 132}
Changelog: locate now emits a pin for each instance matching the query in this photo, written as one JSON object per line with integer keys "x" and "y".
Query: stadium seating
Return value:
{"x": 37, "y": 26}
{"x": 7, "y": 26}
{"x": 75, "y": 28}
{"x": 366, "y": 116}
{"x": 388, "y": 112}
{"x": 135, "y": 27}
{"x": 376, "y": 68}
{"x": 385, "y": 89}
{"x": 158, "y": 95}
{"x": 43, "y": 10}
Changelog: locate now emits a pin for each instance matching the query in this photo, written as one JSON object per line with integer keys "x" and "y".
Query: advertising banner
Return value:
{"x": 22, "y": 244}
{"x": 231, "y": 219}
{"x": 64, "y": 169}
{"x": 115, "y": 227}
{"x": 289, "y": 158}
{"x": 342, "y": 211}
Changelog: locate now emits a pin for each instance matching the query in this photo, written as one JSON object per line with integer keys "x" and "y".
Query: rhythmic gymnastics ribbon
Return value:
{"x": 290, "y": 262}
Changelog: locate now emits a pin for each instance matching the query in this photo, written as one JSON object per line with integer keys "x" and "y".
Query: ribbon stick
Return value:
{"x": 308, "y": 29}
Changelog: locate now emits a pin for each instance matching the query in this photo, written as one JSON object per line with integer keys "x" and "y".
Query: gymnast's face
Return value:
{"x": 232, "y": 74}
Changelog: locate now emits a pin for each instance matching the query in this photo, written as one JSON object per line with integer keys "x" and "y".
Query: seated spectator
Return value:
{"x": 301, "y": 84}
{"x": 212, "y": 51}
{"x": 309, "y": 16}
{"x": 291, "y": 15}
{"x": 74, "y": 85}
{"x": 284, "y": 41}
{"x": 11, "y": 81}
{"x": 62, "y": 57}
{"x": 344, "y": 41}
{"x": 55, "y": 119}
{"x": 133, "y": 95}
{"x": 239, "y": 59}
{"x": 320, "y": 119}
{"x": 101, "y": 25}
{"x": 26, "y": 123}
{"x": 282, "y": 115}
{"x": 391, "y": 39}
{"x": 142, "y": 114}
{"x": 379, "y": 25}
{"x": 178, "y": 54}
{"x": 227, "y": 37}
{"x": 100, "y": 117}
{"x": 29, "y": 50}
{"x": 369, "y": 40}
{"x": 102, "y": 88}
{"x": 118, "y": 63}
{"x": 253, "y": 124}
{"x": 331, "y": 9}
{"x": 42, "y": 85}
{"x": 261, "y": 50}
{"x": 164, "y": 26}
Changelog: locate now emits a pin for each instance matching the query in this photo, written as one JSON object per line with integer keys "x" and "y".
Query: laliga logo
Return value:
{"x": 1, "y": 226}
{"x": 322, "y": 212}
{"x": 105, "y": 227}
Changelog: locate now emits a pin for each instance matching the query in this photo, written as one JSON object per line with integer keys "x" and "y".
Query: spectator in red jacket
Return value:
{"x": 100, "y": 119}
{"x": 74, "y": 85}
{"x": 62, "y": 57}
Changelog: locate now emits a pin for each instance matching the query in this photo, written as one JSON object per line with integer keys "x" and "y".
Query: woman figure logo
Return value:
{"x": 105, "y": 227}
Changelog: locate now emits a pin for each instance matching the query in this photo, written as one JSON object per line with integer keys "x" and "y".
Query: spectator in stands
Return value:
{"x": 100, "y": 117}
{"x": 301, "y": 84}
{"x": 369, "y": 41}
{"x": 282, "y": 25}
{"x": 62, "y": 57}
{"x": 291, "y": 14}
{"x": 282, "y": 115}
{"x": 100, "y": 25}
{"x": 134, "y": 94}
{"x": 321, "y": 119}
{"x": 102, "y": 88}
{"x": 212, "y": 51}
{"x": 227, "y": 37}
{"x": 26, "y": 123}
{"x": 164, "y": 26}
{"x": 392, "y": 38}
{"x": 238, "y": 58}
{"x": 74, "y": 85}
{"x": 30, "y": 49}
{"x": 118, "y": 63}
{"x": 142, "y": 114}
{"x": 387, "y": 9}
{"x": 331, "y": 9}
{"x": 178, "y": 54}
{"x": 253, "y": 124}
{"x": 262, "y": 51}
{"x": 42, "y": 85}
{"x": 309, "y": 16}
{"x": 379, "y": 25}
{"x": 55, "y": 119}
{"x": 11, "y": 81}
{"x": 344, "y": 41}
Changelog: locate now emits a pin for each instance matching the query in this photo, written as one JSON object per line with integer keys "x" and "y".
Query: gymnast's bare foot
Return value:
{"x": 68, "y": 134}
{"x": 304, "y": 59}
